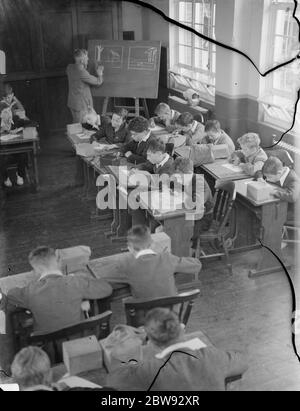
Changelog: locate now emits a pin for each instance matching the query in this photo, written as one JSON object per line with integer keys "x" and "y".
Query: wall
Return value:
{"x": 132, "y": 19}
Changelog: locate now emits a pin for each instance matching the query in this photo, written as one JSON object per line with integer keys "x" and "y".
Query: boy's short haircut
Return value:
{"x": 162, "y": 108}
{"x": 121, "y": 112}
{"x": 41, "y": 255}
{"x": 140, "y": 235}
{"x": 157, "y": 145}
{"x": 213, "y": 125}
{"x": 162, "y": 326}
{"x": 138, "y": 125}
{"x": 185, "y": 119}
{"x": 250, "y": 140}
{"x": 183, "y": 166}
{"x": 31, "y": 367}
{"x": 80, "y": 53}
{"x": 272, "y": 166}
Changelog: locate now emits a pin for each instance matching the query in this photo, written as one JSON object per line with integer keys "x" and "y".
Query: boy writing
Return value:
{"x": 165, "y": 117}
{"x": 216, "y": 136}
{"x": 114, "y": 131}
{"x": 159, "y": 162}
{"x": 149, "y": 274}
{"x": 192, "y": 129}
{"x": 136, "y": 150}
{"x": 251, "y": 157}
{"x": 287, "y": 181}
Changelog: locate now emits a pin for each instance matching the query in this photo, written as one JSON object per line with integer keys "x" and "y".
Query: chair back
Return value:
{"x": 224, "y": 199}
{"x": 282, "y": 155}
{"x": 52, "y": 341}
{"x": 182, "y": 304}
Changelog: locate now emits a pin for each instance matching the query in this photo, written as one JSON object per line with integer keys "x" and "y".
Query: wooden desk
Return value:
{"x": 176, "y": 225}
{"x": 20, "y": 145}
{"x": 218, "y": 172}
{"x": 272, "y": 215}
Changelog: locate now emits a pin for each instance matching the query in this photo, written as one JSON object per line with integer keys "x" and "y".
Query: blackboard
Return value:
{"x": 131, "y": 68}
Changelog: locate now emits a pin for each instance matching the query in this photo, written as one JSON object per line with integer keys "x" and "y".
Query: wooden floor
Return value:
{"x": 235, "y": 311}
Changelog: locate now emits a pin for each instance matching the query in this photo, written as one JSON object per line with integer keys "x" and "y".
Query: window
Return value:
{"x": 192, "y": 59}
{"x": 280, "y": 88}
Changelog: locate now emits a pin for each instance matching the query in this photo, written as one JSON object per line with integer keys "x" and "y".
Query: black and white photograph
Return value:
{"x": 149, "y": 198}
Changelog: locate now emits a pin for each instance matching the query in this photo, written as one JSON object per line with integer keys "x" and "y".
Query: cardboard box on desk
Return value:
{"x": 259, "y": 191}
{"x": 81, "y": 355}
{"x": 74, "y": 258}
{"x": 30, "y": 132}
{"x": 74, "y": 128}
{"x": 220, "y": 151}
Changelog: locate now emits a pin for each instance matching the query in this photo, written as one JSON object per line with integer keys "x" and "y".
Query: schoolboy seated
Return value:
{"x": 177, "y": 363}
{"x": 165, "y": 117}
{"x": 31, "y": 370}
{"x": 159, "y": 161}
{"x": 136, "y": 150}
{"x": 192, "y": 129}
{"x": 19, "y": 117}
{"x": 54, "y": 299}
{"x": 216, "y": 136}
{"x": 149, "y": 274}
{"x": 7, "y": 124}
{"x": 287, "y": 181}
{"x": 185, "y": 167}
{"x": 115, "y": 130}
{"x": 251, "y": 157}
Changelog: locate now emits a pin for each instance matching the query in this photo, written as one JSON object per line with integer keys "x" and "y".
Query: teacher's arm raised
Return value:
{"x": 88, "y": 78}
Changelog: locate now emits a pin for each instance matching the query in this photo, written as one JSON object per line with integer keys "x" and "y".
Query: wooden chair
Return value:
{"x": 52, "y": 341}
{"x": 136, "y": 310}
{"x": 223, "y": 230}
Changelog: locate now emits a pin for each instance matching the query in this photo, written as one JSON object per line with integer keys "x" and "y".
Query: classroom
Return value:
{"x": 149, "y": 195}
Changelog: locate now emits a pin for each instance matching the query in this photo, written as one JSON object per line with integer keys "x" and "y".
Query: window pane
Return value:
{"x": 280, "y": 49}
{"x": 185, "y": 55}
{"x": 199, "y": 42}
{"x": 214, "y": 59}
{"x": 203, "y": 13}
{"x": 186, "y": 11}
{"x": 202, "y": 59}
{"x": 185, "y": 37}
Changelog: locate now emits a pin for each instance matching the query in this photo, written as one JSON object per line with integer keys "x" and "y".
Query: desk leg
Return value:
{"x": 273, "y": 217}
{"x": 36, "y": 170}
{"x": 80, "y": 172}
{"x": 180, "y": 231}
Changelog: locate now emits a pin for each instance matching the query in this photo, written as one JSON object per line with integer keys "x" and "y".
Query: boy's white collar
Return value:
{"x": 145, "y": 252}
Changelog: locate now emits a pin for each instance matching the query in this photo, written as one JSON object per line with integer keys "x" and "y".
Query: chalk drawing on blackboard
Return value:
{"x": 110, "y": 56}
{"x": 142, "y": 58}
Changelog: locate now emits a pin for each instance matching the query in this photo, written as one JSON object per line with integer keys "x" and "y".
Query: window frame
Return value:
{"x": 270, "y": 95}
{"x": 194, "y": 72}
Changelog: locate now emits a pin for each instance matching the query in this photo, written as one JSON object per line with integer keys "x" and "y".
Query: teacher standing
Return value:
{"x": 80, "y": 99}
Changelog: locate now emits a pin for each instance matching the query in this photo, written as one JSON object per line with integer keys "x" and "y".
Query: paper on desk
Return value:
{"x": 232, "y": 167}
{"x": 74, "y": 381}
{"x": 8, "y": 137}
{"x": 157, "y": 128}
{"x": 98, "y": 146}
{"x": 83, "y": 136}
{"x": 85, "y": 150}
